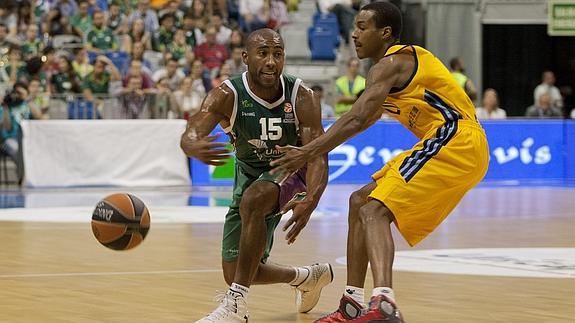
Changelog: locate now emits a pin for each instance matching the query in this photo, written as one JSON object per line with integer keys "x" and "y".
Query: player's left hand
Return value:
{"x": 293, "y": 159}
{"x": 302, "y": 210}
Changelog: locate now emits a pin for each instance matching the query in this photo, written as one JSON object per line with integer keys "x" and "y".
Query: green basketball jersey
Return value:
{"x": 257, "y": 126}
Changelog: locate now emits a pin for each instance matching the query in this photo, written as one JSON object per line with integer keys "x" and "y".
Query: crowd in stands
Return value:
{"x": 157, "y": 58}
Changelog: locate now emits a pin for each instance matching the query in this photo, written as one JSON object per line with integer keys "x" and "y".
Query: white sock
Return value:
{"x": 239, "y": 290}
{"x": 356, "y": 294}
{"x": 384, "y": 290}
{"x": 301, "y": 274}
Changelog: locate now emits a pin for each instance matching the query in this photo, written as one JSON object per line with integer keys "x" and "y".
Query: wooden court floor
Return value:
{"x": 57, "y": 272}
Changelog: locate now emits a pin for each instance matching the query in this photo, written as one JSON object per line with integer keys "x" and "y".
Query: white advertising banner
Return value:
{"x": 63, "y": 153}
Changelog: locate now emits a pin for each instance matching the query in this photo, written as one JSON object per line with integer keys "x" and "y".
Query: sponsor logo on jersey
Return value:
{"x": 247, "y": 104}
{"x": 248, "y": 114}
{"x": 289, "y": 117}
{"x": 262, "y": 150}
{"x": 288, "y": 107}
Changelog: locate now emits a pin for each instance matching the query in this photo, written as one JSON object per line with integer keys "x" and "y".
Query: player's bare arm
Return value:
{"x": 310, "y": 127}
{"x": 196, "y": 141}
{"x": 389, "y": 72}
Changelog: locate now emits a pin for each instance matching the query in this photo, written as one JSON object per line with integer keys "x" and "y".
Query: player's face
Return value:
{"x": 366, "y": 36}
{"x": 265, "y": 60}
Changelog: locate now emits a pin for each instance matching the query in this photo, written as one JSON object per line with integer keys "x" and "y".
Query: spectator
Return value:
{"x": 34, "y": 69}
{"x": 16, "y": 68}
{"x": 326, "y": 109}
{"x": 236, "y": 39}
{"x": 4, "y": 40}
{"x": 68, "y": 8}
{"x": 137, "y": 34}
{"x": 14, "y": 109}
{"x": 458, "y": 72}
{"x": 66, "y": 81}
{"x": 8, "y": 19}
{"x": 223, "y": 33}
{"x": 81, "y": 65}
{"x": 198, "y": 12}
{"x": 236, "y": 62}
{"x": 165, "y": 104}
{"x": 148, "y": 15}
{"x": 279, "y": 14}
{"x": 548, "y": 86}
{"x": 179, "y": 49}
{"x": 51, "y": 64}
{"x": 194, "y": 35}
{"x": 348, "y": 87}
{"x": 544, "y": 108}
{"x": 82, "y": 20}
{"x": 344, "y": 12}
{"x": 136, "y": 68}
{"x": 38, "y": 100}
{"x": 490, "y": 108}
{"x": 117, "y": 21}
{"x": 59, "y": 24}
{"x": 100, "y": 38}
{"x": 32, "y": 46}
{"x": 165, "y": 35}
{"x": 223, "y": 74}
{"x": 99, "y": 81}
{"x": 255, "y": 14}
{"x": 190, "y": 96}
{"x": 134, "y": 100}
{"x": 173, "y": 8}
{"x": 138, "y": 54}
{"x": 24, "y": 18}
{"x": 211, "y": 54}
{"x": 172, "y": 73}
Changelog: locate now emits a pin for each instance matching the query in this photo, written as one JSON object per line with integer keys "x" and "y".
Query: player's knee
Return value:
{"x": 374, "y": 211}
{"x": 256, "y": 205}
{"x": 357, "y": 199}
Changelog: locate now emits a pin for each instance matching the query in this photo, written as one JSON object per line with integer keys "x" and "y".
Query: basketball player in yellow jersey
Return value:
{"x": 417, "y": 189}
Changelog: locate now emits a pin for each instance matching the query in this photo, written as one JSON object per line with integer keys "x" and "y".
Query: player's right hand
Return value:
{"x": 205, "y": 149}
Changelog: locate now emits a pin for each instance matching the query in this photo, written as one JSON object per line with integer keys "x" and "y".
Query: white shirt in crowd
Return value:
{"x": 483, "y": 114}
{"x": 553, "y": 91}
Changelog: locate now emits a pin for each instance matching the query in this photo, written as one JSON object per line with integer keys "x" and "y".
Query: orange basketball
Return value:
{"x": 120, "y": 221}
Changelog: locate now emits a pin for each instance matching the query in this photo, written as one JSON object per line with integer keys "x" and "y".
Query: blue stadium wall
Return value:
{"x": 521, "y": 150}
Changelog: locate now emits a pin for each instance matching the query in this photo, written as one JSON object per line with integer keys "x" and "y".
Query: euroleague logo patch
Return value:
{"x": 510, "y": 262}
{"x": 288, "y": 107}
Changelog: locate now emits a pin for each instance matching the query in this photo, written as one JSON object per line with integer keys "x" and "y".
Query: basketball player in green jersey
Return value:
{"x": 259, "y": 110}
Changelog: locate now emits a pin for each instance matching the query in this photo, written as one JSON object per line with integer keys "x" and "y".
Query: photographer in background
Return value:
{"x": 14, "y": 109}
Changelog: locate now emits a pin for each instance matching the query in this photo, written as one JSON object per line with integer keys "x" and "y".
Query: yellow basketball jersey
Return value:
{"x": 431, "y": 98}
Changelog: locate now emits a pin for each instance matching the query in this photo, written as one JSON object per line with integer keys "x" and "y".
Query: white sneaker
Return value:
{"x": 307, "y": 293}
{"x": 232, "y": 309}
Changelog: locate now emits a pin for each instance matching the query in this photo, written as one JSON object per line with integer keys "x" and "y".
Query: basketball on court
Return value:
{"x": 120, "y": 221}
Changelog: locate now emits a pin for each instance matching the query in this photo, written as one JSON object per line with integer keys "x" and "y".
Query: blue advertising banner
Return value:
{"x": 519, "y": 149}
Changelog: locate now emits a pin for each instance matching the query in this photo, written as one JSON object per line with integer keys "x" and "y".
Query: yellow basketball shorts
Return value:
{"x": 421, "y": 186}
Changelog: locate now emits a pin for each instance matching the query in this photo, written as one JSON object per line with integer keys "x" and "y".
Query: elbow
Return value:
{"x": 358, "y": 123}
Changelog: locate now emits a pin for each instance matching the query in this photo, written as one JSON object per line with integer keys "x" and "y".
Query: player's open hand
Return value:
{"x": 205, "y": 149}
{"x": 293, "y": 159}
{"x": 302, "y": 210}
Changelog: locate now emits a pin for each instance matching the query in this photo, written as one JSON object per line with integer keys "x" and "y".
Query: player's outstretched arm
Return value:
{"x": 310, "y": 127}
{"x": 364, "y": 112}
{"x": 196, "y": 141}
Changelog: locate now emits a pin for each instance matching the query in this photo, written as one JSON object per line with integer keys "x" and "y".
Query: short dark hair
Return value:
{"x": 386, "y": 15}
{"x": 454, "y": 62}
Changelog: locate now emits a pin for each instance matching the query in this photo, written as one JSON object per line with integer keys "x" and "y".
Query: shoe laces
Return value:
{"x": 228, "y": 305}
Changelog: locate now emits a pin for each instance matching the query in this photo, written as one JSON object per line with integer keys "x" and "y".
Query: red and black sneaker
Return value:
{"x": 348, "y": 310}
{"x": 381, "y": 309}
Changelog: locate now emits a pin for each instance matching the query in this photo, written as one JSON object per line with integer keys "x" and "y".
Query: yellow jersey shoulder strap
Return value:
{"x": 403, "y": 49}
